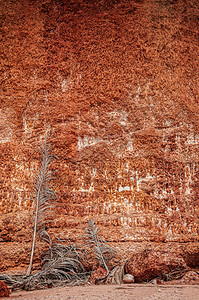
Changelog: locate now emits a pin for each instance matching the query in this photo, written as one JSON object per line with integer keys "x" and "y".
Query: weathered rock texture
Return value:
{"x": 147, "y": 265}
{"x": 4, "y": 290}
{"x": 116, "y": 84}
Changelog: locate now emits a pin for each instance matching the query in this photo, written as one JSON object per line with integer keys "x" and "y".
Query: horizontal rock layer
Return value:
{"x": 116, "y": 85}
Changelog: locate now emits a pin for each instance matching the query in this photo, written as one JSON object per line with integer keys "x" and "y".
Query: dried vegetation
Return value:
{"x": 42, "y": 197}
{"x": 64, "y": 263}
{"x": 101, "y": 250}
{"x": 61, "y": 264}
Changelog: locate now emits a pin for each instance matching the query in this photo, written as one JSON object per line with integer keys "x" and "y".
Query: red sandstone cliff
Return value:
{"x": 116, "y": 82}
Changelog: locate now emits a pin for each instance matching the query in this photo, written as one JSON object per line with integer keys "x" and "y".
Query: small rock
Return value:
{"x": 128, "y": 278}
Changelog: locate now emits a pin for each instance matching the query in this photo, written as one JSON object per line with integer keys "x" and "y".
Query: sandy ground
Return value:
{"x": 107, "y": 292}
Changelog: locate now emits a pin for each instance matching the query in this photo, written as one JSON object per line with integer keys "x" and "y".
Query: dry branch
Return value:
{"x": 101, "y": 250}
{"x": 42, "y": 197}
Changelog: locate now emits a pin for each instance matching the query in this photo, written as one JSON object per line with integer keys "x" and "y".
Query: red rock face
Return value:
{"x": 116, "y": 84}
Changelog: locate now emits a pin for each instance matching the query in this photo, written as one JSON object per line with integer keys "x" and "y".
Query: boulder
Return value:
{"x": 147, "y": 264}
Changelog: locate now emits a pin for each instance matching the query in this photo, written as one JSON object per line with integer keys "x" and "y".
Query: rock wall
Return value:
{"x": 116, "y": 85}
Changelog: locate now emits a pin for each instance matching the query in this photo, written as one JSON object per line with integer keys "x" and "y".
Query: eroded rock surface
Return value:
{"x": 4, "y": 290}
{"x": 148, "y": 264}
{"x": 116, "y": 84}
